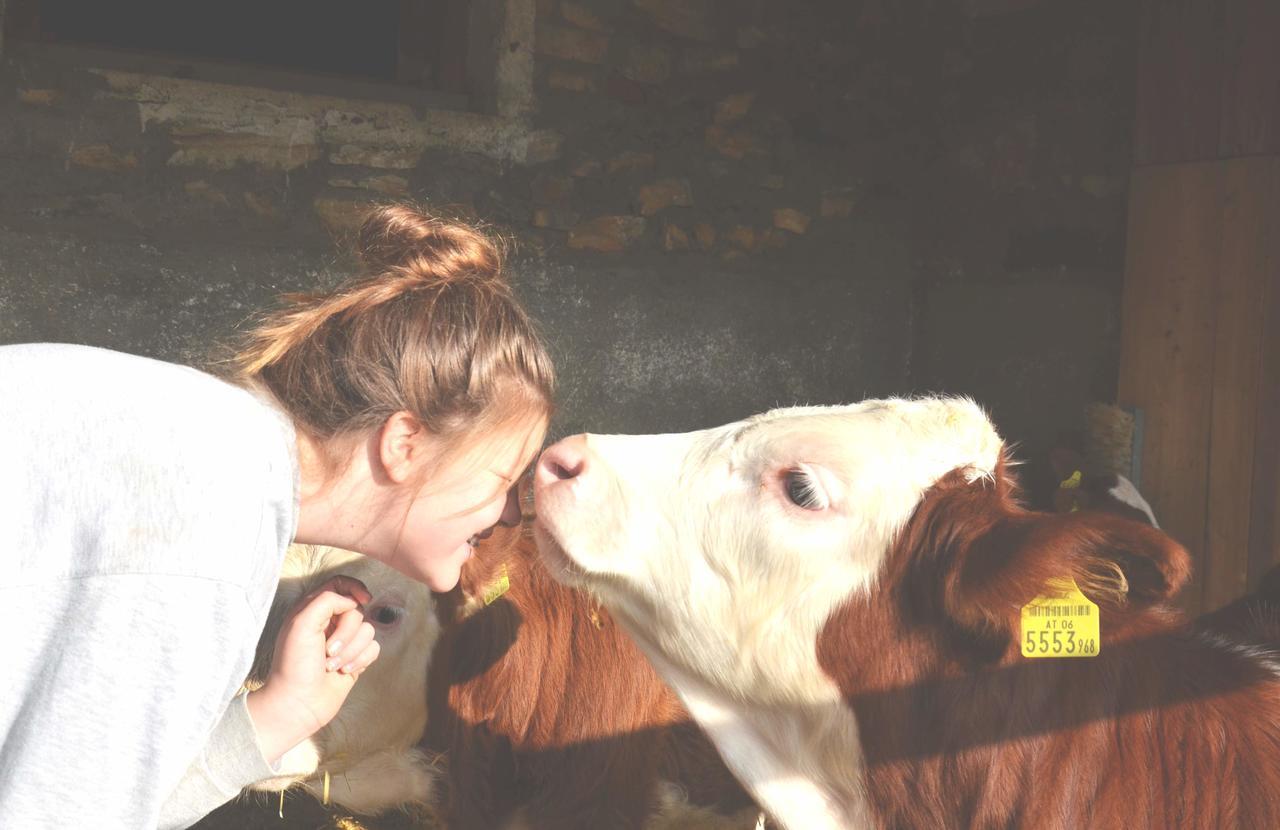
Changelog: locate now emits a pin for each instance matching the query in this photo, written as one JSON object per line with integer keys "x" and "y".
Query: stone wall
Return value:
{"x": 715, "y": 207}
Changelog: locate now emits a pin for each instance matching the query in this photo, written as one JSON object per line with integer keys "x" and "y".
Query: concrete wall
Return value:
{"x": 717, "y": 207}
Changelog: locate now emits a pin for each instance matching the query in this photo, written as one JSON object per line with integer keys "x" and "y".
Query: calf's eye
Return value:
{"x": 387, "y": 614}
{"x": 803, "y": 491}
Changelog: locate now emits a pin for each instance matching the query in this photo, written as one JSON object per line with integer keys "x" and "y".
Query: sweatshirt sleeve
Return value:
{"x": 119, "y": 689}
{"x": 146, "y": 509}
{"x": 230, "y": 761}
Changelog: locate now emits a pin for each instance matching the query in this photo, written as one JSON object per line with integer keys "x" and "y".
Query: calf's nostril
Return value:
{"x": 562, "y": 461}
{"x": 561, "y": 472}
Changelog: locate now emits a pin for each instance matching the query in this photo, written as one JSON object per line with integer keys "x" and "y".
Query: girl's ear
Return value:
{"x": 401, "y": 445}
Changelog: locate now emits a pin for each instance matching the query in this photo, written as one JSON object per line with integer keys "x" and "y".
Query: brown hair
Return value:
{"x": 430, "y": 326}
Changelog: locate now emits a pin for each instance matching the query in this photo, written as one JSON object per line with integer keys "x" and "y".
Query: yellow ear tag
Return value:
{"x": 1061, "y": 622}
{"x": 497, "y": 588}
{"x": 1071, "y": 482}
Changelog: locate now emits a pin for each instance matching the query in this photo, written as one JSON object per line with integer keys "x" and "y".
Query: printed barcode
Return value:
{"x": 1060, "y": 610}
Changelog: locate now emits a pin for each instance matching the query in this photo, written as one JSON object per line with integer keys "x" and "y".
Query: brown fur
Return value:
{"x": 1161, "y": 729}
{"x": 540, "y": 701}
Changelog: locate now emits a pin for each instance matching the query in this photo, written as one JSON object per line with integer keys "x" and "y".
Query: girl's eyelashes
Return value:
{"x": 803, "y": 490}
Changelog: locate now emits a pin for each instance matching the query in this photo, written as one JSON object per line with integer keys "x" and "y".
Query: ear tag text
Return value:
{"x": 497, "y": 587}
{"x": 1061, "y": 622}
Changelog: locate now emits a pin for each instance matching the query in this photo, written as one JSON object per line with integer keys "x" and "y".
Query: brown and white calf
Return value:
{"x": 549, "y": 717}
{"x": 541, "y": 714}
{"x": 835, "y": 593}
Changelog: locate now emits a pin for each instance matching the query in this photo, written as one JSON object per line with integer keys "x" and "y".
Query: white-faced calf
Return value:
{"x": 370, "y": 748}
{"x": 836, "y": 595}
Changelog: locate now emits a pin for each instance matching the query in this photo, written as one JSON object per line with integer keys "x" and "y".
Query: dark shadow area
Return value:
{"x": 902, "y": 714}
{"x": 350, "y": 39}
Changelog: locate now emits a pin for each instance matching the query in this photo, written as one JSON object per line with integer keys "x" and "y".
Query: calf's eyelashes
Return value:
{"x": 385, "y": 615}
{"x": 804, "y": 490}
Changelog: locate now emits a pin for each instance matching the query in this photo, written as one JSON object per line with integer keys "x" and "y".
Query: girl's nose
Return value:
{"x": 511, "y": 510}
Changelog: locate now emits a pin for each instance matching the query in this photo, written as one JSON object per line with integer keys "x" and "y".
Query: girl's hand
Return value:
{"x": 323, "y": 645}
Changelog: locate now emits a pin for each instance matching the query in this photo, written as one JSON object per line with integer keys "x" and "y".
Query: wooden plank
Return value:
{"x": 1179, "y": 95}
{"x": 1166, "y": 340}
{"x": 1251, "y": 79}
{"x": 1264, "y": 527}
{"x": 1249, "y": 222}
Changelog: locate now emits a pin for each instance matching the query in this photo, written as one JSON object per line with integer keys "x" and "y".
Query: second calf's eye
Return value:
{"x": 386, "y": 615}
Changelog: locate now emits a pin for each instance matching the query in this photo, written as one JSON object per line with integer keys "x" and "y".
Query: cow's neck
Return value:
{"x": 948, "y": 742}
{"x": 800, "y": 761}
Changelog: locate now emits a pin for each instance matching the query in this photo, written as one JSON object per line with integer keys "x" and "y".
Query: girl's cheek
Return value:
{"x": 494, "y": 513}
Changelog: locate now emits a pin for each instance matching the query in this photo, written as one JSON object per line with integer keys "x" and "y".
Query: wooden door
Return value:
{"x": 1200, "y": 352}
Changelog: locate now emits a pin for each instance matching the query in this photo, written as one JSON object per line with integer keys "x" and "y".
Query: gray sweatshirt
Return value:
{"x": 144, "y": 513}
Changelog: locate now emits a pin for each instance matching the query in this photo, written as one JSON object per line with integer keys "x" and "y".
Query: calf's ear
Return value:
{"x": 986, "y": 557}
{"x": 1120, "y": 564}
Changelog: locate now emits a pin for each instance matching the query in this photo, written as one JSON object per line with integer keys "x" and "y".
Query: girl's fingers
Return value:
{"x": 364, "y": 659}
{"x": 345, "y": 632}
{"x": 316, "y": 613}
{"x": 360, "y": 637}
{"x": 347, "y": 586}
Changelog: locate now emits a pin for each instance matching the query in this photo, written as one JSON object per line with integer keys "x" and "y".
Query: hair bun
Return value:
{"x": 402, "y": 238}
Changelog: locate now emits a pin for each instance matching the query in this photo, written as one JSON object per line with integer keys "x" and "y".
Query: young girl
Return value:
{"x": 146, "y": 507}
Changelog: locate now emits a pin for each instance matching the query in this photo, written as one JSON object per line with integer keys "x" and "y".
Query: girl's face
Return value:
{"x": 462, "y": 504}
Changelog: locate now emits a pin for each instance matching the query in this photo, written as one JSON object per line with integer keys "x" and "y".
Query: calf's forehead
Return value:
{"x": 774, "y": 431}
{"x": 919, "y": 440}
{"x": 930, "y": 435}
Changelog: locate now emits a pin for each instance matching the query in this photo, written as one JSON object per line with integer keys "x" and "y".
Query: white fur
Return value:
{"x": 387, "y": 778}
{"x": 1125, "y": 493}
{"x": 368, "y": 749}
{"x": 1262, "y": 655}
{"x": 676, "y": 813}
{"x": 691, "y": 541}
